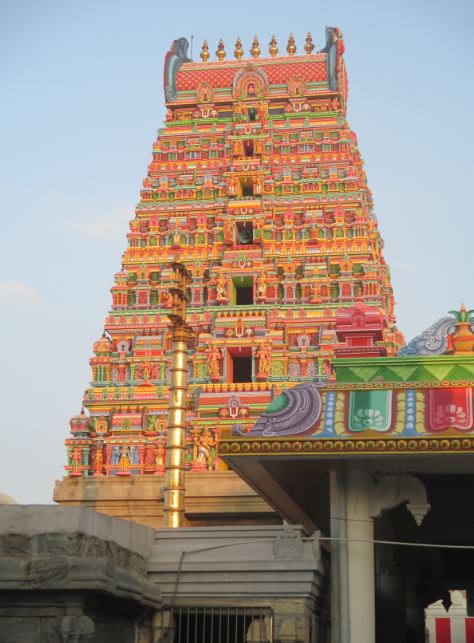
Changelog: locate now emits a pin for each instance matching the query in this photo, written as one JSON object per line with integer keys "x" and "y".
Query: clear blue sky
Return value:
{"x": 81, "y": 96}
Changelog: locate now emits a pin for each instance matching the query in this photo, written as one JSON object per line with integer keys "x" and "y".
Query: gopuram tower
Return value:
{"x": 257, "y": 186}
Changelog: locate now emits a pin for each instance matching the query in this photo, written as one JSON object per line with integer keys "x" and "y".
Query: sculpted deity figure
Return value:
{"x": 258, "y": 185}
{"x": 240, "y": 112}
{"x": 146, "y": 372}
{"x": 98, "y": 460}
{"x": 213, "y": 360}
{"x": 124, "y": 458}
{"x": 262, "y": 284}
{"x": 263, "y": 354}
{"x": 233, "y": 185}
{"x": 262, "y": 110}
{"x": 228, "y": 231}
{"x": 160, "y": 456}
{"x": 76, "y": 458}
{"x": 150, "y": 456}
{"x": 176, "y": 237}
{"x": 167, "y": 299}
{"x": 221, "y": 286}
{"x": 238, "y": 148}
{"x": 258, "y": 225}
{"x": 204, "y": 444}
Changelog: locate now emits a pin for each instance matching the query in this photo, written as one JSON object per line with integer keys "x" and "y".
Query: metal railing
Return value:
{"x": 215, "y": 625}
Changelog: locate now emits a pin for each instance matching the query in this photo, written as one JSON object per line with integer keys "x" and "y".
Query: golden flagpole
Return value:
{"x": 176, "y": 440}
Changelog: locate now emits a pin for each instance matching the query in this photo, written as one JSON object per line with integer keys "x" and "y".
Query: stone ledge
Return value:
{"x": 68, "y": 549}
{"x": 33, "y": 520}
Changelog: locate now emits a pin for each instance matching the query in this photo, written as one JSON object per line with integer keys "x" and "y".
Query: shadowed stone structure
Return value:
{"x": 70, "y": 574}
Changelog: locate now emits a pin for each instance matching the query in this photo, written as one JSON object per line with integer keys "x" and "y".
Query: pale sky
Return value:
{"x": 81, "y": 96}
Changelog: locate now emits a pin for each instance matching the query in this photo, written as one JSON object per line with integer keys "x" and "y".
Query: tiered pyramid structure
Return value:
{"x": 257, "y": 186}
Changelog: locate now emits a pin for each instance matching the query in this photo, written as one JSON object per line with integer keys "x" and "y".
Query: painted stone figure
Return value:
{"x": 213, "y": 361}
{"x": 221, "y": 286}
{"x": 262, "y": 285}
{"x": 263, "y": 355}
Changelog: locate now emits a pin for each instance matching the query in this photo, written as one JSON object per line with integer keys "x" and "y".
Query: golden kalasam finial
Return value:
{"x": 309, "y": 45}
{"x": 205, "y": 52}
{"x": 272, "y": 47}
{"x": 255, "y": 50}
{"x": 291, "y": 47}
{"x": 238, "y": 51}
{"x": 220, "y": 53}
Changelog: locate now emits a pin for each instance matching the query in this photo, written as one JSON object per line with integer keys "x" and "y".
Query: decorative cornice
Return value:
{"x": 346, "y": 446}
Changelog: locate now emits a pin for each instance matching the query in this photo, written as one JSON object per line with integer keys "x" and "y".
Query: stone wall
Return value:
{"x": 69, "y": 575}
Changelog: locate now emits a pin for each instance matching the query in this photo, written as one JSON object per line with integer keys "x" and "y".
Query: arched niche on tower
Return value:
{"x": 250, "y": 83}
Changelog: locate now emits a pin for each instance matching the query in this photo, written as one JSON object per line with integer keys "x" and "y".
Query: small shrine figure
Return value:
{"x": 176, "y": 237}
{"x": 262, "y": 285}
{"x": 262, "y": 110}
{"x": 221, "y": 286}
{"x": 213, "y": 362}
{"x": 160, "y": 456}
{"x": 233, "y": 185}
{"x": 263, "y": 355}
{"x": 76, "y": 461}
{"x": 258, "y": 185}
{"x": 240, "y": 113}
{"x": 124, "y": 459}
{"x": 98, "y": 460}
{"x": 238, "y": 148}
{"x": 146, "y": 372}
{"x": 258, "y": 225}
{"x": 228, "y": 232}
{"x": 150, "y": 457}
{"x": 167, "y": 299}
{"x": 204, "y": 444}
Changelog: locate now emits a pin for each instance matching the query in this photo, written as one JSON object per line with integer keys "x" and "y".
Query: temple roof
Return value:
{"x": 273, "y": 76}
{"x": 220, "y": 74}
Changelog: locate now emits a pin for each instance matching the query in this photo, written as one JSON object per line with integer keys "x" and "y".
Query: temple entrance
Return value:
{"x": 239, "y": 364}
{"x": 242, "y": 291}
{"x": 246, "y": 185}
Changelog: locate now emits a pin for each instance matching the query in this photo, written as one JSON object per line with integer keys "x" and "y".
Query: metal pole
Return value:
{"x": 176, "y": 440}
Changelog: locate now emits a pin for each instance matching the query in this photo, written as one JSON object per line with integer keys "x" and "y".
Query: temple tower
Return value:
{"x": 257, "y": 186}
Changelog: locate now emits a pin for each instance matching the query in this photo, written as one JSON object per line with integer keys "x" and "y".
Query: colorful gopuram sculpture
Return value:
{"x": 257, "y": 186}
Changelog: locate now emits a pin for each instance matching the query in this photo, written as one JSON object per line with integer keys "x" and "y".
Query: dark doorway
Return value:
{"x": 246, "y": 183}
{"x": 244, "y": 296}
{"x": 242, "y": 369}
{"x": 242, "y": 291}
{"x": 248, "y": 147}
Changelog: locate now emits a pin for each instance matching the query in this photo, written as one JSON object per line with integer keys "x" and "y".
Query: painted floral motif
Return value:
{"x": 370, "y": 411}
{"x": 450, "y": 408}
{"x": 450, "y": 414}
{"x": 368, "y": 419}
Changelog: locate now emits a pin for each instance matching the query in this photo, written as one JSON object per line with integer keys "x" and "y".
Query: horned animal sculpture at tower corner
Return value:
{"x": 176, "y": 442}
